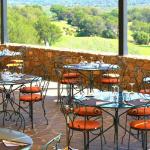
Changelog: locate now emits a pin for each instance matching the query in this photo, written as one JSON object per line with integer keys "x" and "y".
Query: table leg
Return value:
{"x": 116, "y": 123}
{"x": 10, "y": 109}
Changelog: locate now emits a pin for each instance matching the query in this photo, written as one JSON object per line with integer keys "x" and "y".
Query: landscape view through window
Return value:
{"x": 90, "y": 25}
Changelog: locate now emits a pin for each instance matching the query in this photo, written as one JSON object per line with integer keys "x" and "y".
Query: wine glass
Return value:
{"x": 20, "y": 67}
{"x": 81, "y": 60}
{"x": 131, "y": 86}
{"x": 101, "y": 59}
{"x": 115, "y": 91}
{"x": 91, "y": 58}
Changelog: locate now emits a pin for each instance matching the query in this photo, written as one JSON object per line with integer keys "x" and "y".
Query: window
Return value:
{"x": 88, "y": 25}
{"x": 139, "y": 27}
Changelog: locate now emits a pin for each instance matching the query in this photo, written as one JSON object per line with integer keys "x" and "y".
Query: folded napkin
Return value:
{"x": 12, "y": 143}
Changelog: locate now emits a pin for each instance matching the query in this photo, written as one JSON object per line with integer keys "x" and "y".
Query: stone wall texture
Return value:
{"x": 51, "y": 59}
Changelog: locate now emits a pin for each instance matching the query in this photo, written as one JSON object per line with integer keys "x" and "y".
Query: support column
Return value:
{"x": 4, "y": 38}
{"x": 123, "y": 24}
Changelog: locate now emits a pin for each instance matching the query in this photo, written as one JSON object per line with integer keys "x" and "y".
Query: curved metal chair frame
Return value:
{"x": 41, "y": 81}
{"x": 73, "y": 118}
{"x": 55, "y": 141}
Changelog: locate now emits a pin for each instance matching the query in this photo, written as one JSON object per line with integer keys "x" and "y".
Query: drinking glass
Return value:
{"x": 115, "y": 93}
{"x": 91, "y": 58}
{"x": 20, "y": 67}
{"x": 101, "y": 59}
{"x": 131, "y": 86}
{"x": 81, "y": 60}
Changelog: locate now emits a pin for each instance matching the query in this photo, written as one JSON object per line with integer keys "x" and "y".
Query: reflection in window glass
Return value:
{"x": 86, "y": 25}
{"x": 139, "y": 27}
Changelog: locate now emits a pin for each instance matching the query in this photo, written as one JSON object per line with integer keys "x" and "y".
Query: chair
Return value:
{"x": 16, "y": 63}
{"x": 36, "y": 91}
{"x": 65, "y": 77}
{"x": 142, "y": 126}
{"x": 112, "y": 75}
{"x": 143, "y": 88}
{"x": 55, "y": 141}
{"x": 82, "y": 124}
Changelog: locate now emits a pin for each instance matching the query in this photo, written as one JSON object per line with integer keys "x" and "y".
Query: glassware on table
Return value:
{"x": 101, "y": 59}
{"x": 81, "y": 60}
{"x": 132, "y": 86}
{"x": 115, "y": 93}
{"x": 91, "y": 60}
{"x": 20, "y": 67}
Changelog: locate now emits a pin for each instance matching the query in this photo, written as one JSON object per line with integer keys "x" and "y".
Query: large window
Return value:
{"x": 86, "y": 25}
{"x": 139, "y": 27}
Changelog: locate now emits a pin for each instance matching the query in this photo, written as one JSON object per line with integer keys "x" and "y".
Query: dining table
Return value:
{"x": 91, "y": 68}
{"x": 9, "y": 83}
{"x": 115, "y": 100}
{"x": 14, "y": 140}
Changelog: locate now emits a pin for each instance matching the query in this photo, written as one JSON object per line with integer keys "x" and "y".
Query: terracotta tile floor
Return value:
{"x": 42, "y": 133}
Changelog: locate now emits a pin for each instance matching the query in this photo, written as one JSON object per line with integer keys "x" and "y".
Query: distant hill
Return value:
{"x": 99, "y": 3}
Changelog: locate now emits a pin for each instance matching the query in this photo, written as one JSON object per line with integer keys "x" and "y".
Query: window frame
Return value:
{"x": 122, "y": 25}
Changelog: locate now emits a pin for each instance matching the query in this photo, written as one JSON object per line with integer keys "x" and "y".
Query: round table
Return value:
{"x": 91, "y": 67}
{"x": 10, "y": 108}
{"x": 15, "y": 136}
{"x": 116, "y": 101}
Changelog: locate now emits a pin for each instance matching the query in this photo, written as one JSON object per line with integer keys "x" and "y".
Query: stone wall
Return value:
{"x": 46, "y": 57}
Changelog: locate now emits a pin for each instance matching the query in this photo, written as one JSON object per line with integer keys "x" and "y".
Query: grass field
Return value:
{"x": 99, "y": 44}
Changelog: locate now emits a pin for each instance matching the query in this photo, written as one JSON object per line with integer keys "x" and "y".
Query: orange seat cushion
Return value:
{"x": 145, "y": 91}
{"x": 69, "y": 81}
{"x": 87, "y": 111}
{"x": 110, "y": 80}
{"x": 142, "y": 111}
{"x": 71, "y": 75}
{"x": 17, "y": 60}
{"x": 30, "y": 97}
{"x": 85, "y": 125}
{"x": 31, "y": 89}
{"x": 140, "y": 124}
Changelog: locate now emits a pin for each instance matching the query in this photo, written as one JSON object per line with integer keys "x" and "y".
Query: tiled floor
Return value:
{"x": 42, "y": 133}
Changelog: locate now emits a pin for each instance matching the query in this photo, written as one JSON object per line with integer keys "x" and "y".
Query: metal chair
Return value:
{"x": 65, "y": 76}
{"x": 55, "y": 141}
{"x": 83, "y": 124}
{"x": 112, "y": 76}
{"x": 69, "y": 83}
{"x": 139, "y": 112}
{"x": 142, "y": 126}
{"x": 36, "y": 91}
{"x": 16, "y": 63}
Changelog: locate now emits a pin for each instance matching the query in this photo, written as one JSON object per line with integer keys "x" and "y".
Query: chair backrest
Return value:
{"x": 42, "y": 78}
{"x": 53, "y": 143}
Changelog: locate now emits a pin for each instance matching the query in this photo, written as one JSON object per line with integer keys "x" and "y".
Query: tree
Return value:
{"x": 61, "y": 11}
{"x": 108, "y": 33}
{"x": 91, "y": 26}
{"x": 47, "y": 31}
{"x": 20, "y": 30}
{"x": 141, "y": 37}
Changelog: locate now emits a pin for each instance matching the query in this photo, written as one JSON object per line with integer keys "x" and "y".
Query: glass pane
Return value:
{"x": 139, "y": 27}
{"x": 86, "y": 25}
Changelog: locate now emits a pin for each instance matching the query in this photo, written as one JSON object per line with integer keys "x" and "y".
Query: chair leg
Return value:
{"x": 43, "y": 106}
{"x": 144, "y": 140}
{"x": 129, "y": 139}
{"x": 31, "y": 112}
{"x": 125, "y": 129}
{"x": 85, "y": 142}
{"x": 58, "y": 92}
{"x": 101, "y": 131}
{"x": 88, "y": 138}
